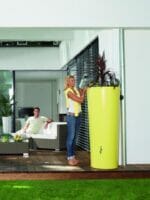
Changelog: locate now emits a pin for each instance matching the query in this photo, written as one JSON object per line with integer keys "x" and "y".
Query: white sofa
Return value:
{"x": 54, "y": 137}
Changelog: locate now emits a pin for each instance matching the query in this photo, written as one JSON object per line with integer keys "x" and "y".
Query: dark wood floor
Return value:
{"x": 46, "y": 164}
{"x": 43, "y": 161}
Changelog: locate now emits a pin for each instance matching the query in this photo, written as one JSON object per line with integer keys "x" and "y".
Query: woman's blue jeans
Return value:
{"x": 73, "y": 125}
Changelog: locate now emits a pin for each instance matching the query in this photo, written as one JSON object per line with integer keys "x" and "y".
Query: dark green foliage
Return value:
{"x": 5, "y": 105}
{"x": 5, "y": 137}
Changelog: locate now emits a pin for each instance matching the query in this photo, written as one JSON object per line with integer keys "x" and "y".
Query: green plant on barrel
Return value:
{"x": 104, "y": 77}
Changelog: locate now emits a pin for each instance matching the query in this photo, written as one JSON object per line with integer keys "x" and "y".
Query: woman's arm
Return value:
{"x": 82, "y": 91}
{"x": 75, "y": 97}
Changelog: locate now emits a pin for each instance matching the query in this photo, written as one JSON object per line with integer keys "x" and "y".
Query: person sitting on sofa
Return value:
{"x": 36, "y": 123}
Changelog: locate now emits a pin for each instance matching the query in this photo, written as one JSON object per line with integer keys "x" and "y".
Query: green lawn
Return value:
{"x": 111, "y": 189}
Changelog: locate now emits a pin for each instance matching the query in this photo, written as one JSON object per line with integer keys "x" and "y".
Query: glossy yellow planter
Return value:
{"x": 103, "y": 111}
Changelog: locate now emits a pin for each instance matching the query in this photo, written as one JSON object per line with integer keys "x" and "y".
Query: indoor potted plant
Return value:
{"x": 6, "y": 112}
{"x": 103, "y": 110}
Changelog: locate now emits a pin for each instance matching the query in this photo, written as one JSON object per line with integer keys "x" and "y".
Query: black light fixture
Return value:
{"x": 30, "y": 43}
{"x": 22, "y": 43}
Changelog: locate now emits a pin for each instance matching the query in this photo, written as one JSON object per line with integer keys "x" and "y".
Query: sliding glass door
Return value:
{"x": 6, "y": 94}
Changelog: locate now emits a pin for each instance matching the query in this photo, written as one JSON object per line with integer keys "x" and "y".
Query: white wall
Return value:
{"x": 75, "y": 13}
{"x": 61, "y": 96}
{"x": 37, "y": 93}
{"x": 108, "y": 42}
{"x": 70, "y": 48}
{"x": 137, "y": 65}
{"x": 42, "y": 77}
{"x": 29, "y": 58}
{"x": 79, "y": 41}
{"x": 64, "y": 52}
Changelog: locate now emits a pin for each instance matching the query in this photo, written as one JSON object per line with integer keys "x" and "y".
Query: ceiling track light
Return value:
{"x": 30, "y": 43}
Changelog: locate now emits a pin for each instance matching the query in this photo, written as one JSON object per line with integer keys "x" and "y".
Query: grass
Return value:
{"x": 114, "y": 189}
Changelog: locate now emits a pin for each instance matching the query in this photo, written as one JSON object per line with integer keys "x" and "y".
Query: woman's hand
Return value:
{"x": 83, "y": 91}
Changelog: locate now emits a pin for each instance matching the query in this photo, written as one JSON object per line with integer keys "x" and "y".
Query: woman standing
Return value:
{"x": 74, "y": 98}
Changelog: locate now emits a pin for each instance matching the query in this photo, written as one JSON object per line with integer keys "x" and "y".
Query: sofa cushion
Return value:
{"x": 49, "y": 133}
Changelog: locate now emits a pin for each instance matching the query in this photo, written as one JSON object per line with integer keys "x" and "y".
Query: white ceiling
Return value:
{"x": 36, "y": 34}
{"x": 39, "y": 75}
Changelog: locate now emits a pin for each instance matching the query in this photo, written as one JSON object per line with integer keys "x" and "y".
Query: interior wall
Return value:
{"x": 37, "y": 93}
{"x": 29, "y": 58}
{"x": 42, "y": 77}
{"x": 63, "y": 52}
{"x": 137, "y": 65}
{"x": 70, "y": 48}
{"x": 79, "y": 41}
{"x": 61, "y": 96}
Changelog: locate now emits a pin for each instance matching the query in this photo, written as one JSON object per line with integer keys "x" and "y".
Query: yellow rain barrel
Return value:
{"x": 103, "y": 113}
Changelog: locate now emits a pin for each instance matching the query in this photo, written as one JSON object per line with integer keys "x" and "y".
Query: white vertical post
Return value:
{"x": 123, "y": 93}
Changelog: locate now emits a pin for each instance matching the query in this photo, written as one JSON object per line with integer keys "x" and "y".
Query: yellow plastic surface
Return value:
{"x": 103, "y": 111}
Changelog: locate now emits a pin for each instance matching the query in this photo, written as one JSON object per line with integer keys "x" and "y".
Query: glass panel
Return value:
{"x": 6, "y": 94}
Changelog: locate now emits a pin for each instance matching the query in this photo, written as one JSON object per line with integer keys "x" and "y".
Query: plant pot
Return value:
{"x": 7, "y": 124}
{"x": 103, "y": 111}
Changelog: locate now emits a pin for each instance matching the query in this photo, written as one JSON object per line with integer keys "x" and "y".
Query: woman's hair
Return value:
{"x": 66, "y": 85}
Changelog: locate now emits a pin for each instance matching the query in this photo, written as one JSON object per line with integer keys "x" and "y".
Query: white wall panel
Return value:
{"x": 137, "y": 65}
